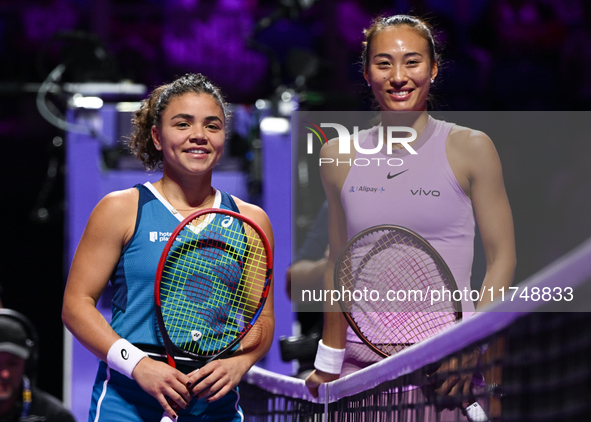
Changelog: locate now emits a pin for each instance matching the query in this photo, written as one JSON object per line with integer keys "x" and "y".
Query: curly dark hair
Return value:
{"x": 150, "y": 112}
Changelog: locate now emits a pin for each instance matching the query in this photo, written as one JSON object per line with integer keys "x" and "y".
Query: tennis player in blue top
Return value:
{"x": 180, "y": 127}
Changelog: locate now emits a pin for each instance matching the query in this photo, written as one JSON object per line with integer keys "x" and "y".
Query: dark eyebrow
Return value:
{"x": 183, "y": 116}
{"x": 213, "y": 118}
{"x": 191, "y": 117}
{"x": 389, "y": 56}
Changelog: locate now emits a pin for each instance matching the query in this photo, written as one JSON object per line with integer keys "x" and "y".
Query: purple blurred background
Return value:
{"x": 498, "y": 55}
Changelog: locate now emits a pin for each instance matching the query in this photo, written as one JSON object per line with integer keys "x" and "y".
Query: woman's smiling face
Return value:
{"x": 191, "y": 133}
{"x": 400, "y": 69}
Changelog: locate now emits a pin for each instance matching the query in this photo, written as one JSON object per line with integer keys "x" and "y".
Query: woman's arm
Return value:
{"x": 334, "y": 333}
{"x": 225, "y": 374}
{"x": 477, "y": 167}
{"x": 493, "y": 214}
{"x": 95, "y": 258}
{"x": 109, "y": 228}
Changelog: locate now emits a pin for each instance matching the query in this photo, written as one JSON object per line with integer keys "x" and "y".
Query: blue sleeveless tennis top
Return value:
{"x": 133, "y": 279}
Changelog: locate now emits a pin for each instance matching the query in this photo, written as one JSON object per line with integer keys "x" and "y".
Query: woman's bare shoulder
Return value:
{"x": 116, "y": 213}
{"x": 123, "y": 201}
{"x": 470, "y": 142}
{"x": 468, "y": 137}
{"x": 256, "y": 214}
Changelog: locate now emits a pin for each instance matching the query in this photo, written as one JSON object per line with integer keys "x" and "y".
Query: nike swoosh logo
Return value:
{"x": 391, "y": 176}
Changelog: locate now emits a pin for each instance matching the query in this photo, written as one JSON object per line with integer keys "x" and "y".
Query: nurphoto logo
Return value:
{"x": 344, "y": 137}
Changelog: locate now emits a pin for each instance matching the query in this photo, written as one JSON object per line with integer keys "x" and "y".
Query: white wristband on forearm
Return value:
{"x": 124, "y": 356}
{"x": 328, "y": 359}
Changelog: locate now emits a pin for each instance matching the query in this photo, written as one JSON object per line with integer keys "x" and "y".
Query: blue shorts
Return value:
{"x": 117, "y": 398}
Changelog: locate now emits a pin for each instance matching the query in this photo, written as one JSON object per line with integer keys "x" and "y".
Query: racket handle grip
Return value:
{"x": 166, "y": 418}
{"x": 175, "y": 407}
{"x": 475, "y": 413}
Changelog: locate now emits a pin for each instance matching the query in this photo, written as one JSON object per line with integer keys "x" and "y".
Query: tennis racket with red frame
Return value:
{"x": 211, "y": 285}
{"x": 392, "y": 273}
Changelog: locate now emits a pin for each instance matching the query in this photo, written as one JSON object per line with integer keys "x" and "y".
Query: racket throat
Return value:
{"x": 171, "y": 361}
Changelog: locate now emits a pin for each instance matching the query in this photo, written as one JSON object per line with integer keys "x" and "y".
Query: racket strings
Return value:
{"x": 212, "y": 283}
{"x": 398, "y": 274}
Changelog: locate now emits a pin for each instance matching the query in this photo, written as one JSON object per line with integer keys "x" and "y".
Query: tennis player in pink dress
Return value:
{"x": 453, "y": 182}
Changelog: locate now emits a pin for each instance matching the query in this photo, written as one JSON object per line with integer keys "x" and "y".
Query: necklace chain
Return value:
{"x": 174, "y": 210}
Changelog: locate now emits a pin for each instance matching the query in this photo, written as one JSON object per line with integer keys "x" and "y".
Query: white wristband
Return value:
{"x": 124, "y": 356}
{"x": 328, "y": 359}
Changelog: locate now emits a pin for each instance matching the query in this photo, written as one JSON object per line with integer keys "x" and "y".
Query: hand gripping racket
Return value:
{"x": 211, "y": 284}
{"x": 388, "y": 277}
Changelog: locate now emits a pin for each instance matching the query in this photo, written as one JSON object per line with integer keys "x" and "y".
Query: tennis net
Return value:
{"x": 536, "y": 367}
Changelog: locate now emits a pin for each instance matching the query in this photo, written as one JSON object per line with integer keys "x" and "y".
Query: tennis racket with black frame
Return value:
{"x": 392, "y": 274}
{"x": 212, "y": 282}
